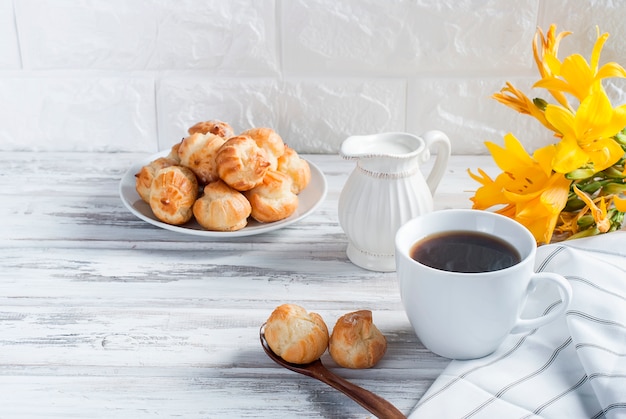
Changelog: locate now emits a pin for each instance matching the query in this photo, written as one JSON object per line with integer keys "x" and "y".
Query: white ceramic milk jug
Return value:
{"x": 385, "y": 190}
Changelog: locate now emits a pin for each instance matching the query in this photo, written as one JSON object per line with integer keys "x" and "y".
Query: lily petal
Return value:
{"x": 611, "y": 70}
{"x": 543, "y": 156}
{"x": 511, "y": 156}
{"x": 597, "y": 49}
{"x": 554, "y": 84}
{"x": 569, "y": 156}
{"x": 604, "y": 153}
{"x": 620, "y": 203}
{"x": 562, "y": 119}
{"x": 593, "y": 116}
{"x": 576, "y": 71}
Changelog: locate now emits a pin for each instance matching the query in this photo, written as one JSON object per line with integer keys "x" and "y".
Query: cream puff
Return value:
{"x": 198, "y": 152}
{"x": 296, "y": 335}
{"x": 296, "y": 168}
{"x": 145, "y": 176}
{"x": 356, "y": 342}
{"x": 270, "y": 141}
{"x": 217, "y": 127}
{"x": 273, "y": 199}
{"x": 221, "y": 208}
{"x": 241, "y": 163}
{"x": 172, "y": 194}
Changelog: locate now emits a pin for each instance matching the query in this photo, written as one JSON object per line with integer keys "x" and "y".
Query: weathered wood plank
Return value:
{"x": 104, "y": 315}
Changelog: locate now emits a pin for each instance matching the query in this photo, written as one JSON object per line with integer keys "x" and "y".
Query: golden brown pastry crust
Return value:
{"x": 270, "y": 141}
{"x": 295, "y": 335}
{"x": 221, "y": 208}
{"x": 145, "y": 176}
{"x": 241, "y": 163}
{"x": 198, "y": 152}
{"x": 356, "y": 342}
{"x": 172, "y": 194}
{"x": 296, "y": 168}
{"x": 173, "y": 155}
{"x": 215, "y": 126}
{"x": 273, "y": 199}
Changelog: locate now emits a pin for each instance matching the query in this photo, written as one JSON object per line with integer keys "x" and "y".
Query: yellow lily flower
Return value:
{"x": 489, "y": 194}
{"x": 586, "y": 135}
{"x": 517, "y": 100}
{"x": 590, "y": 149}
{"x": 545, "y": 51}
{"x": 527, "y": 189}
{"x": 575, "y": 75}
{"x": 540, "y": 211}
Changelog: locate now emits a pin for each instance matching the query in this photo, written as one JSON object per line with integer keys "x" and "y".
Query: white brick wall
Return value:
{"x": 132, "y": 75}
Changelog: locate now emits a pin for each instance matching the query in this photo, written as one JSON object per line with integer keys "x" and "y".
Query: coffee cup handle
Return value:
{"x": 565, "y": 291}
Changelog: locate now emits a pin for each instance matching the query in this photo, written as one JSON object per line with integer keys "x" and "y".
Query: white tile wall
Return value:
{"x": 406, "y": 38}
{"x": 9, "y": 49}
{"x": 133, "y": 75}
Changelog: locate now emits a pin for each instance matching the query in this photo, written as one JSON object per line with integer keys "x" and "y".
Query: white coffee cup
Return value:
{"x": 468, "y": 315}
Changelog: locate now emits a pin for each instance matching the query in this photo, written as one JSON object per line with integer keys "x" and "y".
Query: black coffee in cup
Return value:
{"x": 465, "y": 251}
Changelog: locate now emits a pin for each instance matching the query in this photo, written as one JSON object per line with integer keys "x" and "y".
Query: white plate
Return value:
{"x": 309, "y": 199}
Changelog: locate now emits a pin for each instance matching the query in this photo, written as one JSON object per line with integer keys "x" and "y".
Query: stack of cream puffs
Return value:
{"x": 222, "y": 179}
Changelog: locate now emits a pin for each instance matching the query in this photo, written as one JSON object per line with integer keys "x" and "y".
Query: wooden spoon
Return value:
{"x": 370, "y": 401}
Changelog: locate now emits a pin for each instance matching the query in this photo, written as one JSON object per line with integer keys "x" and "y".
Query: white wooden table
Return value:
{"x": 105, "y": 316}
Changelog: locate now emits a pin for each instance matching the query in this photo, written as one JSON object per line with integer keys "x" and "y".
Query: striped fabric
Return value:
{"x": 572, "y": 368}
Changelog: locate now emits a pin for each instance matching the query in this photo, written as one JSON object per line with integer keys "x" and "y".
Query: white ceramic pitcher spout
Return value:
{"x": 385, "y": 190}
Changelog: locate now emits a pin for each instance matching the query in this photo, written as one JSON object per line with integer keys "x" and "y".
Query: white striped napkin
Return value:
{"x": 573, "y": 368}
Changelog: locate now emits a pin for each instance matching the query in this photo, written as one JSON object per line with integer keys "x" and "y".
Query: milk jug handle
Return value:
{"x": 441, "y": 141}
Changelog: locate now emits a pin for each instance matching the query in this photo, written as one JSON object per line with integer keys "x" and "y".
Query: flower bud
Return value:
{"x": 582, "y": 173}
{"x": 585, "y": 233}
{"x": 614, "y": 172}
{"x": 614, "y": 189}
{"x": 591, "y": 187}
{"x": 540, "y": 103}
{"x": 585, "y": 222}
